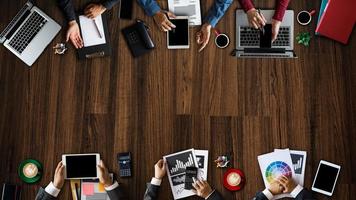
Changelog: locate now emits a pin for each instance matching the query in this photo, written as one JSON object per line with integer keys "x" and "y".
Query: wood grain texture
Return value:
{"x": 171, "y": 100}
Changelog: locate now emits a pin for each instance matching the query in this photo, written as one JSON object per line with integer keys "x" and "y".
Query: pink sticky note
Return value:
{"x": 88, "y": 189}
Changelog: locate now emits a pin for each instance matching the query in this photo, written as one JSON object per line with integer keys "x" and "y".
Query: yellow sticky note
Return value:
{"x": 101, "y": 187}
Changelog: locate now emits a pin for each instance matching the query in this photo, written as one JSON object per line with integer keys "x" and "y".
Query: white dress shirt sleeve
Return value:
{"x": 112, "y": 187}
{"x": 52, "y": 190}
{"x": 268, "y": 194}
{"x": 296, "y": 191}
{"x": 156, "y": 181}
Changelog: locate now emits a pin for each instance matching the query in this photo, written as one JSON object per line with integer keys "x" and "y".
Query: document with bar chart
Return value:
{"x": 190, "y": 8}
{"x": 299, "y": 159}
{"x": 176, "y": 164}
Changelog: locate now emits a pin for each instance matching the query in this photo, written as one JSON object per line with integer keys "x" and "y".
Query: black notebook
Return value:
{"x": 138, "y": 39}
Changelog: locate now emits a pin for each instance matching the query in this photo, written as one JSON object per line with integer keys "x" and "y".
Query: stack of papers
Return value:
{"x": 190, "y": 8}
{"x": 176, "y": 164}
{"x": 289, "y": 163}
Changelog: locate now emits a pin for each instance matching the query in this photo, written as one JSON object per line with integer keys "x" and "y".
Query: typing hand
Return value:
{"x": 287, "y": 183}
{"x": 162, "y": 20}
{"x": 202, "y": 188}
{"x": 58, "y": 180}
{"x": 275, "y": 188}
{"x": 160, "y": 169}
{"x": 73, "y": 34}
{"x": 93, "y": 10}
{"x": 203, "y": 36}
{"x": 275, "y": 29}
{"x": 104, "y": 176}
{"x": 255, "y": 19}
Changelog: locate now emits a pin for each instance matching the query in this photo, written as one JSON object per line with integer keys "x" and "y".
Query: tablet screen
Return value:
{"x": 326, "y": 178}
{"x": 179, "y": 35}
{"x": 81, "y": 166}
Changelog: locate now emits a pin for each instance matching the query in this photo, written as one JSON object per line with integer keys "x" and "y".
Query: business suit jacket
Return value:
{"x": 153, "y": 190}
{"x": 115, "y": 194}
{"x": 303, "y": 195}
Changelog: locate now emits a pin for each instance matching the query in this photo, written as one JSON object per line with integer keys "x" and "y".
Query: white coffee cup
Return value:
{"x": 221, "y": 40}
{"x": 304, "y": 17}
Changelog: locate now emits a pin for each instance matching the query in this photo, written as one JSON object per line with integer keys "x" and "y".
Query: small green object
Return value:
{"x": 304, "y": 38}
{"x": 25, "y": 178}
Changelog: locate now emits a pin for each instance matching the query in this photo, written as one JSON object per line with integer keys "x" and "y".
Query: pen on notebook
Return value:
{"x": 261, "y": 28}
{"x": 97, "y": 28}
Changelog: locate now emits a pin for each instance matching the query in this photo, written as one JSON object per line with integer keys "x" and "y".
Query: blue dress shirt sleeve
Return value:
{"x": 217, "y": 11}
{"x": 151, "y": 7}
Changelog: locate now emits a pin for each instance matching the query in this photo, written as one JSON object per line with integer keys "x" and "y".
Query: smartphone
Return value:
{"x": 124, "y": 161}
{"x": 10, "y": 192}
{"x": 266, "y": 36}
{"x": 190, "y": 173}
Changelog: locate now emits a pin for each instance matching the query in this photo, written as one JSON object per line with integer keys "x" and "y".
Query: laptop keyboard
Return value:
{"x": 251, "y": 36}
{"x": 27, "y": 32}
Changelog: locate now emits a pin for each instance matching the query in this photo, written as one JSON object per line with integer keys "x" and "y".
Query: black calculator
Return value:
{"x": 124, "y": 162}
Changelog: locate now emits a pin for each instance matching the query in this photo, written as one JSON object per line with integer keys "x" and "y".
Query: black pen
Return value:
{"x": 261, "y": 28}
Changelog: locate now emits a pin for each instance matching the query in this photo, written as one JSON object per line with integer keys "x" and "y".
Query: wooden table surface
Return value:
{"x": 171, "y": 100}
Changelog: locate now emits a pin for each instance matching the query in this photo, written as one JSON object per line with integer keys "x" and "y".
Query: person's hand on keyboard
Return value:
{"x": 162, "y": 20}
{"x": 203, "y": 36}
{"x": 275, "y": 29}
{"x": 73, "y": 34}
{"x": 93, "y": 10}
{"x": 256, "y": 19}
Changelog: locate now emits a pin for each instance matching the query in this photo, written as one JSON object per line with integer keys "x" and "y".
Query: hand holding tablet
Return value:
{"x": 81, "y": 166}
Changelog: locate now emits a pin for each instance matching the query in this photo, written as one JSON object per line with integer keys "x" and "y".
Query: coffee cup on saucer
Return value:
{"x": 234, "y": 179}
{"x": 30, "y": 171}
{"x": 304, "y": 17}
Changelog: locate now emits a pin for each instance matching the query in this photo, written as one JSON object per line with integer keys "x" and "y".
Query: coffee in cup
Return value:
{"x": 30, "y": 170}
{"x": 304, "y": 17}
{"x": 221, "y": 40}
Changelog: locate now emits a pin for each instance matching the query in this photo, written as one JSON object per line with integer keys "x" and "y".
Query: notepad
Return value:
{"x": 92, "y": 30}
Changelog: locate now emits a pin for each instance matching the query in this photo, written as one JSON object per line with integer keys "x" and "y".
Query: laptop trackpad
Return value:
{"x": 266, "y": 36}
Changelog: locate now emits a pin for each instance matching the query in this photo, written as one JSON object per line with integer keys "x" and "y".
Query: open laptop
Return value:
{"x": 29, "y": 32}
{"x": 248, "y": 38}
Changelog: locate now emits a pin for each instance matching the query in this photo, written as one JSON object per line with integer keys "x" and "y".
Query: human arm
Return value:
{"x": 153, "y": 187}
{"x": 53, "y": 188}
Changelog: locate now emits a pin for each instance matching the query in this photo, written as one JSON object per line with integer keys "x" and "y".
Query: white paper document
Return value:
{"x": 202, "y": 157}
{"x": 92, "y": 30}
{"x": 176, "y": 164}
{"x": 275, "y": 164}
{"x": 189, "y": 8}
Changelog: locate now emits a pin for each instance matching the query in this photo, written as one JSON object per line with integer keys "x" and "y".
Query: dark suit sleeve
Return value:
{"x": 151, "y": 192}
{"x": 305, "y": 194}
{"x": 67, "y": 8}
{"x": 116, "y": 194}
{"x": 215, "y": 196}
{"x": 43, "y": 195}
{"x": 260, "y": 196}
{"x": 108, "y": 4}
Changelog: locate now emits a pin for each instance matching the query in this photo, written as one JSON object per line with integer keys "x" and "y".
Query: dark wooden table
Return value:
{"x": 171, "y": 100}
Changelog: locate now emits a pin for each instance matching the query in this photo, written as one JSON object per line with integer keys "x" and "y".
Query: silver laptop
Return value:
{"x": 29, "y": 32}
{"x": 248, "y": 39}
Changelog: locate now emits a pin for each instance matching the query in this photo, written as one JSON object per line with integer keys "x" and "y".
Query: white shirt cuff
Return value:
{"x": 296, "y": 191}
{"x": 52, "y": 190}
{"x": 268, "y": 194}
{"x": 207, "y": 197}
{"x": 112, "y": 187}
{"x": 156, "y": 181}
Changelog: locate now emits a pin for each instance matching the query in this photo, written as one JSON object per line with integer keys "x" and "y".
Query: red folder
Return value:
{"x": 338, "y": 20}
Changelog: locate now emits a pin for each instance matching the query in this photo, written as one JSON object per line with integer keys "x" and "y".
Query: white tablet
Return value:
{"x": 81, "y": 166}
{"x": 178, "y": 38}
{"x": 326, "y": 177}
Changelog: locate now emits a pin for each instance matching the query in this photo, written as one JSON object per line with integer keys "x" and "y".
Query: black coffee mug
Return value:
{"x": 221, "y": 39}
